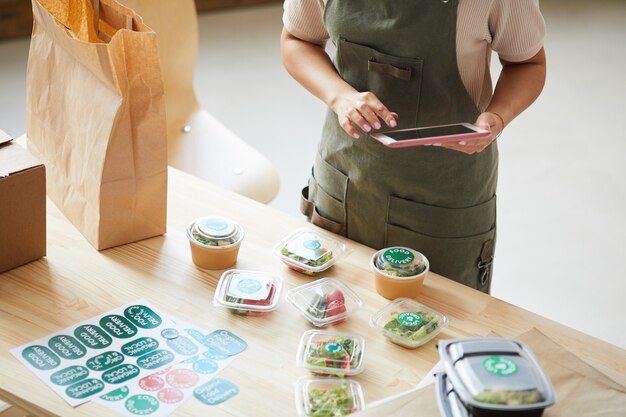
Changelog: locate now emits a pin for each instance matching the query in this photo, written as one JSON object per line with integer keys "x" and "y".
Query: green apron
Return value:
{"x": 437, "y": 201}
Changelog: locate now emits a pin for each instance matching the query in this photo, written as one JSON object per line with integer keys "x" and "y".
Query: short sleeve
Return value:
{"x": 517, "y": 29}
{"x": 305, "y": 20}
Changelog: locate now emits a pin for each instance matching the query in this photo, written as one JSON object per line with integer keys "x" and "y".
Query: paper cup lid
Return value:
{"x": 215, "y": 227}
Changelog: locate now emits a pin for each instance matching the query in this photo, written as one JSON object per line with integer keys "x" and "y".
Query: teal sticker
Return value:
{"x": 215, "y": 391}
{"x": 104, "y": 361}
{"x": 142, "y": 404}
{"x": 225, "y": 342}
{"x": 215, "y": 355}
{"x": 192, "y": 359}
{"x": 183, "y": 346}
{"x": 500, "y": 366}
{"x": 399, "y": 256}
{"x": 155, "y": 359}
{"x": 120, "y": 374}
{"x": 40, "y": 357}
{"x": 249, "y": 286}
{"x": 116, "y": 395}
{"x": 205, "y": 366}
{"x": 333, "y": 347}
{"x": 143, "y": 317}
{"x": 140, "y": 346}
{"x": 69, "y": 375}
{"x": 169, "y": 333}
{"x": 67, "y": 347}
{"x": 118, "y": 326}
{"x": 312, "y": 244}
{"x": 92, "y": 336}
{"x": 84, "y": 389}
{"x": 196, "y": 335}
{"x": 409, "y": 319}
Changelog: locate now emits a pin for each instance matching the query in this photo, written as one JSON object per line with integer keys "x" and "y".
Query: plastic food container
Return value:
{"x": 496, "y": 377}
{"x": 328, "y": 397}
{"x": 214, "y": 242}
{"x": 325, "y": 301}
{"x": 448, "y": 401}
{"x": 309, "y": 252}
{"x": 399, "y": 272}
{"x": 248, "y": 293}
{"x": 408, "y": 323}
{"x": 331, "y": 353}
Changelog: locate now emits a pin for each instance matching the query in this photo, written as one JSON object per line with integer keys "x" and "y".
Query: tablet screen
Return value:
{"x": 429, "y": 132}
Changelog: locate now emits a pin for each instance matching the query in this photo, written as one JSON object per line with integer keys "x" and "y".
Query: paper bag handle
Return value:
{"x": 126, "y": 20}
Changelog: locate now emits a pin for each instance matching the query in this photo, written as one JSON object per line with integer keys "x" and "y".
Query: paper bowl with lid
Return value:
{"x": 399, "y": 272}
{"x": 328, "y": 397}
{"x": 308, "y": 251}
{"x": 496, "y": 377}
{"x": 214, "y": 241}
{"x": 328, "y": 353}
{"x": 248, "y": 293}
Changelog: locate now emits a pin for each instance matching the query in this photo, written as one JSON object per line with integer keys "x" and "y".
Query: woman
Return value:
{"x": 402, "y": 64}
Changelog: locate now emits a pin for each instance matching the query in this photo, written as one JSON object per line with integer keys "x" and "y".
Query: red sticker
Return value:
{"x": 182, "y": 378}
{"x": 164, "y": 371}
{"x": 151, "y": 383}
{"x": 170, "y": 395}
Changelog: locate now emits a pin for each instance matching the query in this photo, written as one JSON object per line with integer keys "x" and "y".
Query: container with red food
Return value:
{"x": 325, "y": 301}
{"x": 331, "y": 353}
{"x": 248, "y": 293}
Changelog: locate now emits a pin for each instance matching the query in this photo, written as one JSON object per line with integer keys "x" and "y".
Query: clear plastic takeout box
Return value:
{"x": 408, "y": 323}
{"x": 325, "y": 301}
{"x": 331, "y": 353}
{"x": 328, "y": 397}
{"x": 309, "y": 252}
{"x": 248, "y": 292}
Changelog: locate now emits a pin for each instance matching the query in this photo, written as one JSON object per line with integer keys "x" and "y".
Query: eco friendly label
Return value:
{"x": 333, "y": 347}
{"x": 307, "y": 246}
{"x": 151, "y": 383}
{"x": 205, "y": 366}
{"x": 170, "y": 395}
{"x": 116, "y": 395}
{"x": 92, "y": 336}
{"x": 196, "y": 335}
{"x": 500, "y": 366}
{"x": 182, "y": 378}
{"x": 85, "y": 388}
{"x": 69, "y": 375}
{"x": 118, "y": 326}
{"x": 142, "y": 405}
{"x": 40, "y": 357}
{"x": 216, "y": 391}
{"x": 182, "y": 345}
{"x": 67, "y": 347}
{"x": 143, "y": 317}
{"x": 140, "y": 346}
{"x": 156, "y": 359}
{"x": 225, "y": 342}
{"x": 410, "y": 319}
{"x": 215, "y": 355}
{"x": 398, "y": 256}
{"x": 215, "y": 227}
{"x": 105, "y": 361}
{"x": 120, "y": 374}
{"x": 249, "y": 286}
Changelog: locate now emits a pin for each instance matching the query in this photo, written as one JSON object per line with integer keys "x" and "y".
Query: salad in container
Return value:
{"x": 248, "y": 293}
{"x": 328, "y": 397}
{"x": 331, "y": 353}
{"x": 214, "y": 241}
{"x": 399, "y": 272}
{"x": 309, "y": 252}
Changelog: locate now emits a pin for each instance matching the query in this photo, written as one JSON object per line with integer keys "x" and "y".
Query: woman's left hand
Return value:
{"x": 487, "y": 121}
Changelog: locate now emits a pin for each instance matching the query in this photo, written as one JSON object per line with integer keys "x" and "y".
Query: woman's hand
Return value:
{"x": 487, "y": 121}
{"x": 362, "y": 110}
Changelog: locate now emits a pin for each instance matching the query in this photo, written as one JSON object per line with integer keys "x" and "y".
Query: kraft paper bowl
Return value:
{"x": 392, "y": 287}
{"x": 215, "y": 257}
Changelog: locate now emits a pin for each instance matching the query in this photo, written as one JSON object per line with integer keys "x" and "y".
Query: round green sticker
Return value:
{"x": 399, "y": 256}
{"x": 142, "y": 404}
{"x": 249, "y": 286}
{"x": 116, "y": 395}
{"x": 333, "y": 347}
{"x": 500, "y": 366}
{"x": 312, "y": 244}
{"x": 410, "y": 319}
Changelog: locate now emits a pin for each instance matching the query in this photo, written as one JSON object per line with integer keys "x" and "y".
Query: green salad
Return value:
{"x": 212, "y": 242}
{"x": 412, "y": 326}
{"x": 336, "y": 353}
{"x": 313, "y": 263}
{"x": 530, "y": 396}
{"x": 335, "y": 402}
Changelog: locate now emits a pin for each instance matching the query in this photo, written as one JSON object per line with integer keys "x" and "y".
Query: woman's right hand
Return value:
{"x": 361, "y": 110}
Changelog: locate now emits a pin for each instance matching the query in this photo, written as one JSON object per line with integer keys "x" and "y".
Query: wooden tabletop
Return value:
{"x": 75, "y": 282}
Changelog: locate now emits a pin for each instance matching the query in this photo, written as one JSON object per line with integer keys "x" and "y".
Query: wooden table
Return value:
{"x": 75, "y": 282}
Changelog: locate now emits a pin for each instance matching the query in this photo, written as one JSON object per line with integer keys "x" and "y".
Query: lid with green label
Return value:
{"x": 400, "y": 262}
{"x": 331, "y": 353}
{"x": 408, "y": 323}
{"x": 215, "y": 231}
{"x": 328, "y": 397}
{"x": 496, "y": 374}
{"x": 309, "y": 251}
{"x": 248, "y": 291}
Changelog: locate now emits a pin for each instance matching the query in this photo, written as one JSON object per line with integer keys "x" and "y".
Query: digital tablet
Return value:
{"x": 430, "y": 135}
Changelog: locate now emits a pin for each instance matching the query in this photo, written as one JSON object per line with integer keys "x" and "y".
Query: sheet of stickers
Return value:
{"x": 133, "y": 359}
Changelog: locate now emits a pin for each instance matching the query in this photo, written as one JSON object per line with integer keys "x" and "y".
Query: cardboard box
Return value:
{"x": 22, "y": 205}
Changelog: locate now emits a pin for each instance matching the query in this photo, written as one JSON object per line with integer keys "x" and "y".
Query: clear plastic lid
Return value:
{"x": 496, "y": 374}
{"x": 399, "y": 261}
{"x": 308, "y": 251}
{"x": 408, "y": 323}
{"x": 328, "y": 397}
{"x": 331, "y": 353}
{"x": 325, "y": 301}
{"x": 215, "y": 231}
{"x": 248, "y": 291}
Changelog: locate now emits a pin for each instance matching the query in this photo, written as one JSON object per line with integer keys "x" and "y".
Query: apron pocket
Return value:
{"x": 396, "y": 81}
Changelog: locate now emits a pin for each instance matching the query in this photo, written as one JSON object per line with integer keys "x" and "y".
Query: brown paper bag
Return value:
{"x": 96, "y": 117}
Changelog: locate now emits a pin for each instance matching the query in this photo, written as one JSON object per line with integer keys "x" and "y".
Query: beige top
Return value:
{"x": 515, "y": 29}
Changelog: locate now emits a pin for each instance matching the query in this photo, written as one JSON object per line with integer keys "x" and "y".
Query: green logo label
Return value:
{"x": 312, "y": 244}
{"x": 143, "y": 317}
{"x": 142, "y": 404}
{"x": 333, "y": 347}
{"x": 120, "y": 374}
{"x": 140, "y": 346}
{"x": 155, "y": 359}
{"x": 249, "y": 286}
{"x": 84, "y": 389}
{"x": 69, "y": 375}
{"x": 117, "y": 395}
{"x": 104, "y": 361}
{"x": 118, "y": 326}
{"x": 40, "y": 357}
{"x": 497, "y": 365}
{"x": 92, "y": 336}
{"x": 410, "y": 319}
{"x": 67, "y": 347}
{"x": 183, "y": 346}
{"x": 399, "y": 256}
